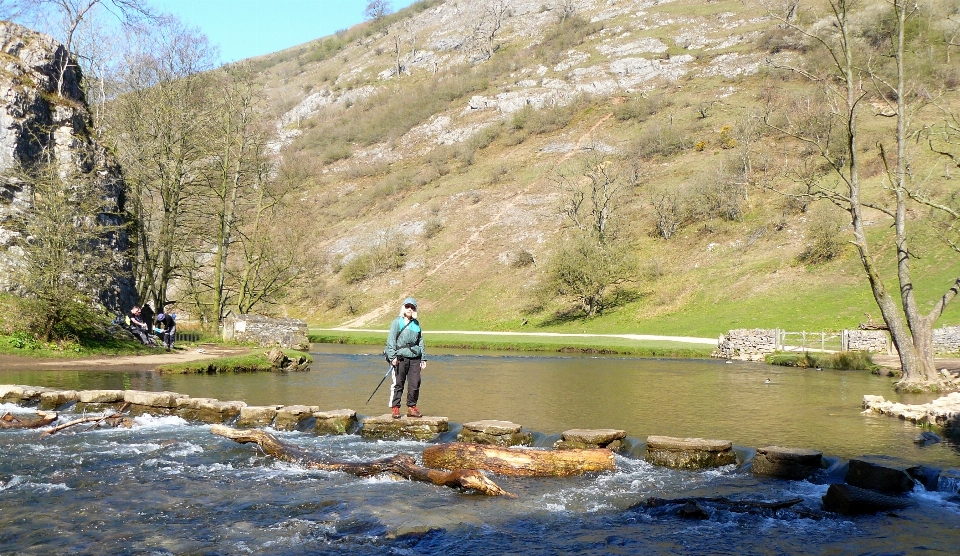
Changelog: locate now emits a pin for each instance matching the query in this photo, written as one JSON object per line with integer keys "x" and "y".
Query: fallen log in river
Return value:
{"x": 519, "y": 461}
{"x": 10, "y": 421}
{"x": 402, "y": 465}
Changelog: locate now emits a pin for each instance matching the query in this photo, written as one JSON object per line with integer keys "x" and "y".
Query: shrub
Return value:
{"x": 658, "y": 139}
{"x": 568, "y": 33}
{"x": 667, "y": 211}
{"x": 588, "y": 274}
{"x": 432, "y": 227}
{"x": 522, "y": 258}
{"x": 825, "y": 237}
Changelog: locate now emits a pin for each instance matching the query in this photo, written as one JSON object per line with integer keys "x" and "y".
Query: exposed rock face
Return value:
{"x": 34, "y": 118}
{"x": 338, "y": 421}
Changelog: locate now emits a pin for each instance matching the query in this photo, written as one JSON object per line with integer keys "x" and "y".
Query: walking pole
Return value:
{"x": 379, "y": 385}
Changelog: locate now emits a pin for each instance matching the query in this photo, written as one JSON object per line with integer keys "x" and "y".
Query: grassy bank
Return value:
{"x": 26, "y": 346}
{"x": 844, "y": 361}
{"x": 253, "y": 362}
{"x": 560, "y": 344}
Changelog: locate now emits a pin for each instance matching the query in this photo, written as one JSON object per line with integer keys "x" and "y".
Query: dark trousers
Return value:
{"x": 406, "y": 369}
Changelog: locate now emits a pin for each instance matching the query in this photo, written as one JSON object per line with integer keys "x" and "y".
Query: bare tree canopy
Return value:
{"x": 879, "y": 96}
{"x": 377, "y": 9}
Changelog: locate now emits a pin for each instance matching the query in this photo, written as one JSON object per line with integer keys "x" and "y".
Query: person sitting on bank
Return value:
{"x": 167, "y": 329}
{"x": 405, "y": 352}
{"x": 139, "y": 327}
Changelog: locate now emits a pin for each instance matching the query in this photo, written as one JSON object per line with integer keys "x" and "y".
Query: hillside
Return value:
{"x": 434, "y": 150}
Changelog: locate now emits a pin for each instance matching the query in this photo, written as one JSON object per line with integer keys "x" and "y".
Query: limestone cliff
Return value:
{"x": 35, "y": 117}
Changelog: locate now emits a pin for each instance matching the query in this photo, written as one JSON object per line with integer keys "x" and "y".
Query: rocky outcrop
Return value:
{"x": 943, "y": 412}
{"x": 43, "y": 109}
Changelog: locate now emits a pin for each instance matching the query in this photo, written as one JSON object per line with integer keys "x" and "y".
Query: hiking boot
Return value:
{"x": 396, "y": 412}
{"x": 413, "y": 412}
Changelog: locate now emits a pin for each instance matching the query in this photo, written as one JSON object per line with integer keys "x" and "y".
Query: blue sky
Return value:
{"x": 246, "y": 28}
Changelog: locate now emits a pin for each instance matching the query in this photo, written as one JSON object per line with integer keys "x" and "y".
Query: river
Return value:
{"x": 170, "y": 487}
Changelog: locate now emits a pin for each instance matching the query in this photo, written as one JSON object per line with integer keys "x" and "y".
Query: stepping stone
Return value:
{"x": 385, "y": 427}
{"x": 786, "y": 463}
{"x": 57, "y": 398}
{"x": 96, "y": 400}
{"x": 257, "y": 415}
{"x": 494, "y": 433}
{"x": 338, "y": 421}
{"x": 879, "y": 473}
{"x": 290, "y": 417}
{"x": 582, "y": 439}
{"x": 151, "y": 402}
{"x": 689, "y": 453}
{"x": 208, "y": 410}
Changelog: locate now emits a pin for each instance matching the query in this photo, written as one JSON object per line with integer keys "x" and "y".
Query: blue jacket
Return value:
{"x": 410, "y": 342}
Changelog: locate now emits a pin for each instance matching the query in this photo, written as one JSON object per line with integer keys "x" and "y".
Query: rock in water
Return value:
{"x": 851, "y": 500}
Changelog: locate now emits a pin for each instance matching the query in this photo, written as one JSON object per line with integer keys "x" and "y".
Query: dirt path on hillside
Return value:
{"x": 119, "y": 362}
{"x": 506, "y": 207}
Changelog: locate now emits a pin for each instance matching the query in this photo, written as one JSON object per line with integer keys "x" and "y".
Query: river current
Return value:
{"x": 167, "y": 486}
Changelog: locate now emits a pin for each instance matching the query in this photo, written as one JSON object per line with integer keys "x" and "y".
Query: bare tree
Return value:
{"x": 65, "y": 245}
{"x": 590, "y": 196}
{"x": 377, "y": 9}
{"x": 872, "y": 69}
{"x": 63, "y": 18}
{"x": 158, "y": 127}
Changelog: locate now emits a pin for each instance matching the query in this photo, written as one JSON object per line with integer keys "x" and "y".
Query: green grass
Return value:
{"x": 64, "y": 349}
{"x": 845, "y": 361}
{"x": 248, "y": 363}
{"x": 598, "y": 345}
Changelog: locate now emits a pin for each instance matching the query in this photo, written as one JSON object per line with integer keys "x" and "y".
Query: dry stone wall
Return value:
{"x": 266, "y": 331}
{"x": 947, "y": 339}
{"x": 748, "y": 344}
{"x": 874, "y": 341}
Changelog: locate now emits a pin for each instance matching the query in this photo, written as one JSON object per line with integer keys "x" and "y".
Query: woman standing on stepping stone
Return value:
{"x": 405, "y": 353}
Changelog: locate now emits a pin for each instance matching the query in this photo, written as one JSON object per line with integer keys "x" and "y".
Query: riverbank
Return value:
{"x": 603, "y": 344}
{"x": 125, "y": 363}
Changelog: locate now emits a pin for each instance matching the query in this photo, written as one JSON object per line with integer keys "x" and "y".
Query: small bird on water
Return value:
{"x": 766, "y": 381}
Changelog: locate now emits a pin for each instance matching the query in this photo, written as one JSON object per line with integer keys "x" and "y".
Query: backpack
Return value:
{"x": 402, "y": 328}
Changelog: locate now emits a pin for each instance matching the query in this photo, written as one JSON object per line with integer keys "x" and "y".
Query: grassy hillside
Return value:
{"x": 445, "y": 181}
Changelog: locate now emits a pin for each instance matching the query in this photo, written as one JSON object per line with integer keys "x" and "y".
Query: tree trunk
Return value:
{"x": 401, "y": 464}
{"x": 9, "y": 421}
{"x": 518, "y": 461}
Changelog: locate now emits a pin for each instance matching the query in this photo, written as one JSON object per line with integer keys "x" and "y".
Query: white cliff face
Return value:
{"x": 36, "y": 118}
